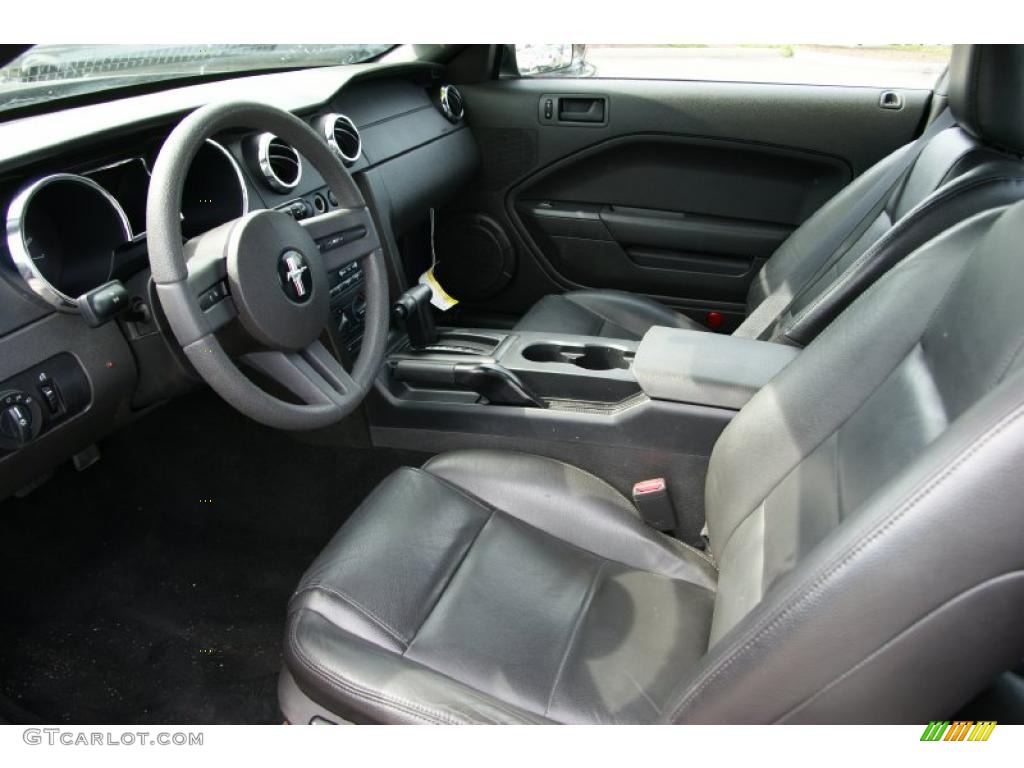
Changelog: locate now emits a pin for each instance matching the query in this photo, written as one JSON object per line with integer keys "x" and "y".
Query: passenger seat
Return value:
{"x": 967, "y": 161}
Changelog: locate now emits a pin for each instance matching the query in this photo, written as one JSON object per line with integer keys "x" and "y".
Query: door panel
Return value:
{"x": 687, "y": 219}
{"x": 679, "y": 190}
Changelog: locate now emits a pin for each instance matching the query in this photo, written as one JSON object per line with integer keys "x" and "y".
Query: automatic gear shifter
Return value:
{"x": 413, "y": 309}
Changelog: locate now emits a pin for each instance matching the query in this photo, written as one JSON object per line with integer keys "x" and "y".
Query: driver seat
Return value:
{"x": 866, "y": 558}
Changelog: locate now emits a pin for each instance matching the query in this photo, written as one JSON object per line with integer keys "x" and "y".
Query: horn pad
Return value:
{"x": 277, "y": 281}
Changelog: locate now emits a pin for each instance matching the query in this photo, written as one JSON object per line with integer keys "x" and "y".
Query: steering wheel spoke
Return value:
{"x": 343, "y": 236}
{"x": 208, "y": 276}
{"x": 311, "y": 374}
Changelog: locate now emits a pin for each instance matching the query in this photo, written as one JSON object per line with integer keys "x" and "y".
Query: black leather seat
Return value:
{"x": 866, "y": 558}
{"x": 844, "y": 246}
{"x": 523, "y": 578}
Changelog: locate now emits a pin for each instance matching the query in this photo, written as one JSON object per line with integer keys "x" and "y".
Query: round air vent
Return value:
{"x": 280, "y": 164}
{"x": 343, "y": 136}
{"x": 450, "y": 102}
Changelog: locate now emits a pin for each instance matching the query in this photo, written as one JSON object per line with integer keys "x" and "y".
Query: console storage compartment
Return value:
{"x": 706, "y": 368}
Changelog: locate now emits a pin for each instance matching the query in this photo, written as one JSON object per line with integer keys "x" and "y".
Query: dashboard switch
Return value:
{"x": 213, "y": 295}
{"x": 50, "y": 397}
{"x": 16, "y": 423}
{"x": 20, "y": 419}
{"x": 104, "y": 303}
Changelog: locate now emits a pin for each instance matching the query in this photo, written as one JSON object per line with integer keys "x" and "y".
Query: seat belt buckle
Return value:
{"x": 652, "y": 499}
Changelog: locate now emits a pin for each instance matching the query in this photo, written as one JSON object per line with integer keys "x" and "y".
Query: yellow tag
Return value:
{"x": 438, "y": 296}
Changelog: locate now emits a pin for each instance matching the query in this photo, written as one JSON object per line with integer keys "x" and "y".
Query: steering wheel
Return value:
{"x": 269, "y": 272}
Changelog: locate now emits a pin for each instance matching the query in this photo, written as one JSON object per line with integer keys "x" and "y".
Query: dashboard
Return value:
{"x": 68, "y": 233}
{"x": 73, "y": 190}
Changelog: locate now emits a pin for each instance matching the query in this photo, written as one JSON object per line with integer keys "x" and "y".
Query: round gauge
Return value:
{"x": 62, "y": 232}
{"x": 214, "y": 191}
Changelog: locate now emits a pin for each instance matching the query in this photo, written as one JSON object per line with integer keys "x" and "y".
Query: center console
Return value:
{"x": 530, "y": 370}
{"x": 348, "y": 308}
{"x": 624, "y": 410}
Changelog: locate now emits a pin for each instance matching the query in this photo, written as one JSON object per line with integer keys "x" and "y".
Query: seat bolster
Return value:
{"x": 803, "y": 253}
{"x": 363, "y": 682}
{"x": 346, "y": 614}
{"x": 990, "y": 186}
{"x": 606, "y": 313}
{"x": 571, "y": 505}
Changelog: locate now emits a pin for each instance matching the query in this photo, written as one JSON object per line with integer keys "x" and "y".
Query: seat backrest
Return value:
{"x": 866, "y": 508}
{"x": 970, "y": 167}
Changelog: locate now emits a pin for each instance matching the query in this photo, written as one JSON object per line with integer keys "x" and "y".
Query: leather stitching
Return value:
{"x": 361, "y": 692}
{"x": 804, "y": 592}
{"x": 588, "y": 598}
{"x": 451, "y": 577}
{"x": 880, "y": 649}
{"x": 624, "y": 504}
{"x": 373, "y": 617}
{"x": 371, "y": 695}
{"x": 649, "y": 536}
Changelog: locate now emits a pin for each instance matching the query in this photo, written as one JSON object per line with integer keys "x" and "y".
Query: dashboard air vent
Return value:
{"x": 343, "y": 136}
{"x": 280, "y": 164}
{"x": 450, "y": 103}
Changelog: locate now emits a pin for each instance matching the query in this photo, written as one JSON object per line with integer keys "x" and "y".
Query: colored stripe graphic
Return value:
{"x": 982, "y": 730}
{"x": 959, "y": 730}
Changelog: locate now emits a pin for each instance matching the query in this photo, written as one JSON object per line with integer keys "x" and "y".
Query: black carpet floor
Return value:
{"x": 151, "y": 588}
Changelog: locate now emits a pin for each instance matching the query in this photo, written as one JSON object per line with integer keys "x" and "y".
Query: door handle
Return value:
{"x": 573, "y": 109}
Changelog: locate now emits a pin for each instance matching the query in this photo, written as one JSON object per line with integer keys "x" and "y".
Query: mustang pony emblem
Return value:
{"x": 296, "y": 279}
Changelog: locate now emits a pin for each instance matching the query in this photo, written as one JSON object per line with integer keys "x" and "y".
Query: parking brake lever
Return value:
{"x": 498, "y": 384}
{"x": 413, "y": 309}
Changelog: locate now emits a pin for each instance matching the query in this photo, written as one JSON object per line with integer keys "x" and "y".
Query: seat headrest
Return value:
{"x": 986, "y": 93}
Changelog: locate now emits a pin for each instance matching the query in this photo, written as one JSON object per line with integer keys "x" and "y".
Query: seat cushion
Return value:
{"x": 611, "y": 314}
{"x": 498, "y": 587}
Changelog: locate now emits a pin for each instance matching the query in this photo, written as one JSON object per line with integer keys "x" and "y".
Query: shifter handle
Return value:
{"x": 413, "y": 309}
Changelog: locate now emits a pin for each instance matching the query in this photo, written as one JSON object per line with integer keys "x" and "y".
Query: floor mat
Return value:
{"x": 151, "y": 588}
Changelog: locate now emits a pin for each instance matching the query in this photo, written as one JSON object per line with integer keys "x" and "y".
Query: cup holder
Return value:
{"x": 591, "y": 356}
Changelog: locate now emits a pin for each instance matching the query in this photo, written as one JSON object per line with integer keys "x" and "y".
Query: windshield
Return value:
{"x": 50, "y": 72}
